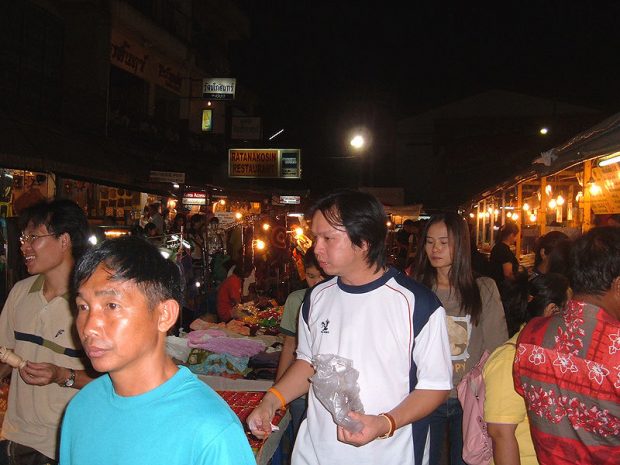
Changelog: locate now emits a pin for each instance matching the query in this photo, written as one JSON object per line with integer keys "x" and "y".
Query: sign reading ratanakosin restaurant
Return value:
{"x": 264, "y": 163}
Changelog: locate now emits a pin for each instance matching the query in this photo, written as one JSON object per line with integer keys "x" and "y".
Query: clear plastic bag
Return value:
{"x": 335, "y": 385}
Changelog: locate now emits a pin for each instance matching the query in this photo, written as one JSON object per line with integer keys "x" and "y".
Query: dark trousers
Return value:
{"x": 448, "y": 416}
{"x": 12, "y": 453}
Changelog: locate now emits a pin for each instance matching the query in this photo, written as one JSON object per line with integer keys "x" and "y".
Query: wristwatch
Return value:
{"x": 70, "y": 381}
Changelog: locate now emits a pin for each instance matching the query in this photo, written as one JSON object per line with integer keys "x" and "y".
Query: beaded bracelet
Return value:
{"x": 279, "y": 395}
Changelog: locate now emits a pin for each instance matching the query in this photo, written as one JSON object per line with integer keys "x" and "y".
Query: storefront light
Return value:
{"x": 471, "y": 215}
{"x": 259, "y": 244}
{"x": 299, "y": 232}
{"x": 614, "y": 158}
{"x": 238, "y": 216}
{"x": 526, "y": 207}
{"x": 560, "y": 200}
{"x": 515, "y": 217}
{"x": 533, "y": 218}
{"x": 548, "y": 189}
{"x": 552, "y": 204}
{"x": 222, "y": 202}
{"x": 595, "y": 189}
{"x": 509, "y": 215}
{"x": 266, "y": 226}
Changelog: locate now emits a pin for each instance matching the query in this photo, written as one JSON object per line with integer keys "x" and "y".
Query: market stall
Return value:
{"x": 238, "y": 359}
{"x": 569, "y": 188}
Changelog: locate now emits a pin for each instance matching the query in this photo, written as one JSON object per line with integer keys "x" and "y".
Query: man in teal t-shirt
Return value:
{"x": 146, "y": 410}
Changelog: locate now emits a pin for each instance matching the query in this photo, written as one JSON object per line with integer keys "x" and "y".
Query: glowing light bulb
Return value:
{"x": 299, "y": 232}
{"x": 222, "y": 202}
{"x": 238, "y": 215}
{"x": 552, "y": 203}
{"x": 515, "y": 217}
{"x": 595, "y": 189}
{"x": 560, "y": 200}
{"x": 471, "y": 215}
{"x": 532, "y": 217}
{"x": 526, "y": 207}
{"x": 548, "y": 189}
{"x": 260, "y": 245}
{"x": 266, "y": 226}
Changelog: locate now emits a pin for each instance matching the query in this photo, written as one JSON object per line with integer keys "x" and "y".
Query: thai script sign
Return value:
{"x": 264, "y": 163}
{"x": 129, "y": 55}
{"x": 219, "y": 88}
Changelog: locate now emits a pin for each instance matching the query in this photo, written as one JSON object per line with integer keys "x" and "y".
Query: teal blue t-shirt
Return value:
{"x": 181, "y": 422}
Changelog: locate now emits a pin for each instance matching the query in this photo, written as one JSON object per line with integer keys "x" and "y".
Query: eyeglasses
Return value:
{"x": 30, "y": 238}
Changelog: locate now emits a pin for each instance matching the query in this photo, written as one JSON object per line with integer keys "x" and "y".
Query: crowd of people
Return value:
{"x": 97, "y": 386}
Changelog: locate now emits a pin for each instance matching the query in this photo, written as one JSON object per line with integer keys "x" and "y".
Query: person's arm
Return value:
{"x": 417, "y": 405}
{"x": 493, "y": 317}
{"x": 42, "y": 374}
{"x": 293, "y": 384}
{"x": 287, "y": 357}
{"x": 431, "y": 355}
{"x": 508, "y": 271}
{"x": 505, "y": 445}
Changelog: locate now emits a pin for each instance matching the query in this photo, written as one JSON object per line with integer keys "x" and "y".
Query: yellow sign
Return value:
{"x": 608, "y": 179}
{"x": 207, "y": 120}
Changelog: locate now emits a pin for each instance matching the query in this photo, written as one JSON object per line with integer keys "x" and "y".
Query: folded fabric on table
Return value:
{"x": 237, "y": 346}
{"x": 219, "y": 364}
{"x": 265, "y": 360}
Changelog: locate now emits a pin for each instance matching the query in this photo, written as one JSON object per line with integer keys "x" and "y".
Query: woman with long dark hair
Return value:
{"x": 474, "y": 316}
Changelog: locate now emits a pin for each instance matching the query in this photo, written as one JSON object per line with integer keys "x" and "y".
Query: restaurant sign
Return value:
{"x": 264, "y": 163}
{"x": 219, "y": 88}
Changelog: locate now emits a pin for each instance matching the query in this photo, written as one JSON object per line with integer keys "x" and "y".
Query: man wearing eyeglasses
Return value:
{"x": 37, "y": 323}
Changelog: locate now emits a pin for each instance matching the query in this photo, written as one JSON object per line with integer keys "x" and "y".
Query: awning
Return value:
{"x": 37, "y": 147}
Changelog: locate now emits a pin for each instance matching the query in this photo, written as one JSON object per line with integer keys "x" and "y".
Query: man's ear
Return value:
{"x": 65, "y": 241}
{"x": 168, "y": 314}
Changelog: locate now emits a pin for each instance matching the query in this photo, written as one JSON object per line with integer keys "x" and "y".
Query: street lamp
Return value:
{"x": 357, "y": 142}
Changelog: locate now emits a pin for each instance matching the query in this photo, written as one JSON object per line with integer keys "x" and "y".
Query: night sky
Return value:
{"x": 318, "y": 65}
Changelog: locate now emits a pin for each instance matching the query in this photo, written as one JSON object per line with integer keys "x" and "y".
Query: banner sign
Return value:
{"x": 167, "y": 176}
{"x": 264, "y": 163}
{"x": 130, "y": 55}
{"x": 219, "y": 88}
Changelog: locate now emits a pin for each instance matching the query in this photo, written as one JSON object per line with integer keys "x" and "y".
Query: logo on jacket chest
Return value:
{"x": 325, "y": 327}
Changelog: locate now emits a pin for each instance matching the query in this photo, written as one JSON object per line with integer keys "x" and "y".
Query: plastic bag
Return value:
{"x": 335, "y": 385}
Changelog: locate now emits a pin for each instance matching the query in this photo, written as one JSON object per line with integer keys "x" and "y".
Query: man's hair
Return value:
{"x": 408, "y": 222}
{"x": 59, "y": 216}
{"x": 363, "y": 218}
{"x": 131, "y": 258}
{"x": 548, "y": 242}
{"x": 595, "y": 260}
{"x": 310, "y": 260}
{"x": 525, "y": 299}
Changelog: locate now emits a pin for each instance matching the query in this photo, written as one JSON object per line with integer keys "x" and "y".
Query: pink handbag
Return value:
{"x": 477, "y": 445}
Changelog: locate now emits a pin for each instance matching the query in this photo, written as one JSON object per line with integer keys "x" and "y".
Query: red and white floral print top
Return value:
{"x": 567, "y": 368}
